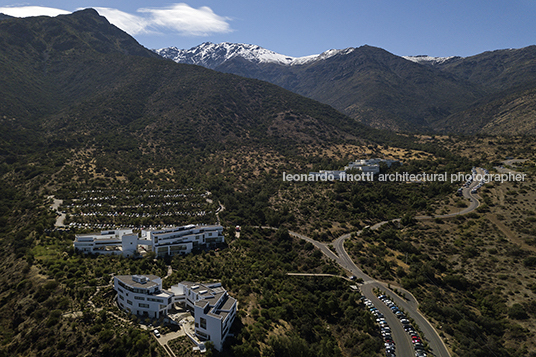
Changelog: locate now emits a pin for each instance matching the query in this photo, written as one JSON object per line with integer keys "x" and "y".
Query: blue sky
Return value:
{"x": 299, "y": 28}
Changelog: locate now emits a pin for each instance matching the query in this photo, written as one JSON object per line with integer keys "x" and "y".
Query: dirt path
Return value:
{"x": 514, "y": 238}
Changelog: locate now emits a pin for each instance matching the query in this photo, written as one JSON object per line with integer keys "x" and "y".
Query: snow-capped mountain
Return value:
{"x": 424, "y": 59}
{"x": 212, "y": 55}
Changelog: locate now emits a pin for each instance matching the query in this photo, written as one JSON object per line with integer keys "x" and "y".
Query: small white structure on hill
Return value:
{"x": 370, "y": 165}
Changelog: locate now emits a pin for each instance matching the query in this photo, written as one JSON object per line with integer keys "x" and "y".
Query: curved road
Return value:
{"x": 404, "y": 347}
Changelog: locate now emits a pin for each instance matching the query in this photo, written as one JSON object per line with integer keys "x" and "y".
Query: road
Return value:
{"x": 55, "y": 207}
{"x": 404, "y": 347}
{"x": 401, "y": 338}
{"x": 410, "y": 304}
{"x": 511, "y": 163}
{"x": 218, "y": 211}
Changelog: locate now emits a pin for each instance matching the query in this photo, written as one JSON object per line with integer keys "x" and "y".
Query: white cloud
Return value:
{"x": 129, "y": 23}
{"x": 186, "y": 20}
{"x": 26, "y": 11}
{"x": 178, "y": 18}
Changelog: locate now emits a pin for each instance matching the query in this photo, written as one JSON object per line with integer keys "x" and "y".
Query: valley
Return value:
{"x": 100, "y": 133}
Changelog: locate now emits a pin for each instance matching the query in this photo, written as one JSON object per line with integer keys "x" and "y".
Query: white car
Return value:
{"x": 156, "y": 333}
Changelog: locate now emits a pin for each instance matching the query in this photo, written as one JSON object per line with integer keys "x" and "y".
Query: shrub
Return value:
{"x": 517, "y": 312}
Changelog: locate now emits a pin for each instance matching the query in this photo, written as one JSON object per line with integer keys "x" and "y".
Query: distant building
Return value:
{"x": 170, "y": 241}
{"x": 325, "y": 175}
{"x": 213, "y": 308}
{"x": 370, "y": 165}
{"x": 367, "y": 167}
{"x": 142, "y": 295}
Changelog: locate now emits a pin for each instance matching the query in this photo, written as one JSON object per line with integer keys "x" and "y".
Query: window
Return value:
{"x": 121, "y": 297}
{"x": 129, "y": 302}
{"x": 120, "y": 290}
{"x": 139, "y": 298}
{"x": 155, "y": 300}
{"x": 143, "y": 305}
{"x": 203, "y": 323}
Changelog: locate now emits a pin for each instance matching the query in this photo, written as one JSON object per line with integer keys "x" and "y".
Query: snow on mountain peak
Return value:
{"x": 212, "y": 55}
{"x": 425, "y": 59}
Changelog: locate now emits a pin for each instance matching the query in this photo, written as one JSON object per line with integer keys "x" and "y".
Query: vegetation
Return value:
{"x": 491, "y": 93}
{"x": 280, "y": 314}
{"x": 473, "y": 279}
{"x": 93, "y": 119}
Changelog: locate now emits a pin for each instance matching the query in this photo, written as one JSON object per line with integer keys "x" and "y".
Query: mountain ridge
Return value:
{"x": 224, "y": 51}
{"x": 211, "y": 55}
{"x": 82, "y": 79}
{"x": 367, "y": 83}
{"x": 380, "y": 89}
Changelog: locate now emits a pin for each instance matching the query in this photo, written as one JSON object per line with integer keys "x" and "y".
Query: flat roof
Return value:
{"x": 182, "y": 228}
{"x": 229, "y": 303}
{"x": 127, "y": 279}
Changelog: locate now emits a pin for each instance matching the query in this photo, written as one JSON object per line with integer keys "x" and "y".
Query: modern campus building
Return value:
{"x": 180, "y": 240}
{"x": 370, "y": 165}
{"x": 142, "y": 295}
{"x": 169, "y": 241}
{"x": 213, "y": 308}
{"x": 119, "y": 241}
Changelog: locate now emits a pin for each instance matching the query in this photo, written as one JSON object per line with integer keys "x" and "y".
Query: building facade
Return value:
{"x": 142, "y": 295}
{"x": 169, "y": 241}
{"x": 370, "y": 165}
{"x": 213, "y": 308}
{"x": 119, "y": 241}
{"x": 181, "y": 240}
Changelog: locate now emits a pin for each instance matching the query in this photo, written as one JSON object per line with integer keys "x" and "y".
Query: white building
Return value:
{"x": 180, "y": 240}
{"x": 142, "y": 295}
{"x": 213, "y": 308}
{"x": 119, "y": 241}
{"x": 370, "y": 165}
{"x": 169, "y": 241}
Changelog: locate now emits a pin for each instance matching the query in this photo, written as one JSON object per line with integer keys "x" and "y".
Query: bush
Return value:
{"x": 517, "y": 312}
{"x": 530, "y": 261}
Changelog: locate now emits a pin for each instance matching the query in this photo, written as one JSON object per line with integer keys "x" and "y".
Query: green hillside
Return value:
{"x": 382, "y": 90}
{"x": 68, "y": 78}
{"x": 498, "y": 70}
{"x": 125, "y": 138}
{"x": 372, "y": 86}
{"x": 84, "y": 109}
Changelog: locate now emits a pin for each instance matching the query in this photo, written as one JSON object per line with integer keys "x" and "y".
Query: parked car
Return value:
{"x": 156, "y": 333}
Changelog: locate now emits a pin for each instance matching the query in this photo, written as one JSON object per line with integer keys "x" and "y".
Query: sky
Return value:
{"x": 299, "y": 28}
